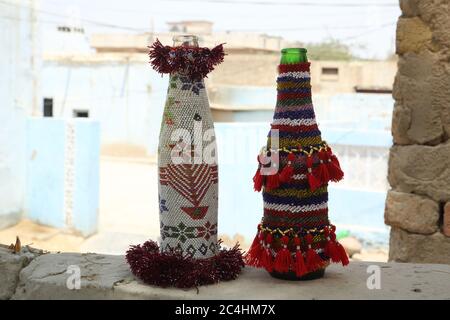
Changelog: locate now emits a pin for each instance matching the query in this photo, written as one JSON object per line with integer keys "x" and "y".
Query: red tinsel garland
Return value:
{"x": 195, "y": 62}
{"x": 172, "y": 269}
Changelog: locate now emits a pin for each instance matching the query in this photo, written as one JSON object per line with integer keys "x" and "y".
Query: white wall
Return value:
{"x": 125, "y": 96}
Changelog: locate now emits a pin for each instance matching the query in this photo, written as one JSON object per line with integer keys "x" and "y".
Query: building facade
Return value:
{"x": 114, "y": 84}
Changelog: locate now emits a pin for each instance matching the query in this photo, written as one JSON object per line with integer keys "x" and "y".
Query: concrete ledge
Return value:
{"x": 108, "y": 277}
{"x": 10, "y": 267}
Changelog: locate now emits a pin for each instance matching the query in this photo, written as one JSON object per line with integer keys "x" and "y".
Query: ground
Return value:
{"x": 128, "y": 215}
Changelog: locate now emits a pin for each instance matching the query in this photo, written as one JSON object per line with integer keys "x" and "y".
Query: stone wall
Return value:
{"x": 418, "y": 206}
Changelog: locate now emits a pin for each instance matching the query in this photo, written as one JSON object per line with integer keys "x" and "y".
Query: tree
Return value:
{"x": 331, "y": 49}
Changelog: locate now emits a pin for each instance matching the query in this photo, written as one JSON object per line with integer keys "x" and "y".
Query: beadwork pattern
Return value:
{"x": 190, "y": 190}
{"x": 189, "y": 253}
{"x": 295, "y": 233}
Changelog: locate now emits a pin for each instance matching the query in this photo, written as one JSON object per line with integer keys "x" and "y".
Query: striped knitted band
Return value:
{"x": 294, "y": 122}
{"x": 298, "y": 84}
{"x": 288, "y": 142}
{"x": 296, "y": 75}
{"x": 294, "y": 67}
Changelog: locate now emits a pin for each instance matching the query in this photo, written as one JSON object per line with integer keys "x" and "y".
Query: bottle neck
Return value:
{"x": 293, "y": 82}
{"x": 293, "y": 55}
{"x": 185, "y": 40}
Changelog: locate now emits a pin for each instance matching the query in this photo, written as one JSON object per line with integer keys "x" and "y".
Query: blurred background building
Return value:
{"x": 82, "y": 113}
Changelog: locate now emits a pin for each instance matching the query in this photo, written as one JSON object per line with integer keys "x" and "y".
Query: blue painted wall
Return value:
{"x": 87, "y": 177}
{"x": 48, "y": 194}
{"x": 368, "y": 111}
{"x": 19, "y": 65}
{"x": 45, "y": 171}
{"x": 240, "y": 208}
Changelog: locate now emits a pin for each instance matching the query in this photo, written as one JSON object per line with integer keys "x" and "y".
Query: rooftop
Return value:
{"x": 190, "y": 22}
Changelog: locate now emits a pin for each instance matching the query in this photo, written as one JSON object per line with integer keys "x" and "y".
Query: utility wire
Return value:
{"x": 368, "y": 32}
{"x": 239, "y": 30}
{"x": 20, "y": 19}
{"x": 108, "y": 25}
{"x": 98, "y": 23}
{"x": 317, "y": 28}
{"x": 145, "y": 29}
{"x": 200, "y": 16}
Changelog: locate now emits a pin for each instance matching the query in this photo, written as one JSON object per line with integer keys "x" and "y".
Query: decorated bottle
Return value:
{"x": 188, "y": 176}
{"x": 295, "y": 239}
{"x": 189, "y": 253}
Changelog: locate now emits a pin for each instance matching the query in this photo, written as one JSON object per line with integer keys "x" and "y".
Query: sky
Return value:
{"x": 367, "y": 26}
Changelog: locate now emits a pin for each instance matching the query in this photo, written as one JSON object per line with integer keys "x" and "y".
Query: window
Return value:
{"x": 63, "y": 29}
{"x": 81, "y": 113}
{"x": 78, "y": 30}
{"x": 48, "y": 107}
{"x": 330, "y": 71}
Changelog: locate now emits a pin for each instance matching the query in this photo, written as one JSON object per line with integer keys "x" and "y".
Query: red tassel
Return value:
{"x": 313, "y": 260}
{"x": 330, "y": 247}
{"x": 334, "y": 168}
{"x": 322, "y": 170}
{"x": 299, "y": 266}
{"x": 286, "y": 174}
{"x": 257, "y": 180}
{"x": 342, "y": 254}
{"x": 267, "y": 259}
{"x": 288, "y": 171}
{"x": 291, "y": 157}
{"x": 283, "y": 259}
{"x": 272, "y": 181}
{"x": 334, "y": 249}
{"x": 253, "y": 256}
{"x": 314, "y": 183}
{"x": 333, "y": 157}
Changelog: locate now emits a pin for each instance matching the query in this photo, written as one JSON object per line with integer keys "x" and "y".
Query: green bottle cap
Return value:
{"x": 293, "y": 55}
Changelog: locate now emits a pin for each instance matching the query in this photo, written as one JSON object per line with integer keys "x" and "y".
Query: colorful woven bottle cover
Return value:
{"x": 189, "y": 253}
{"x": 293, "y": 172}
